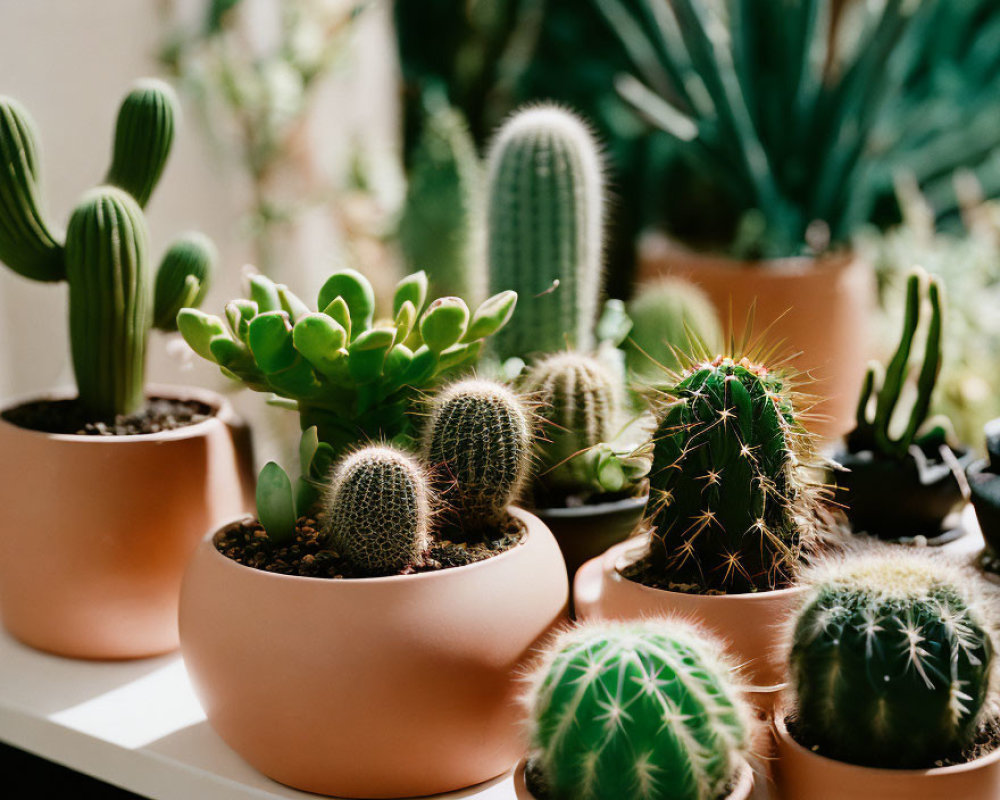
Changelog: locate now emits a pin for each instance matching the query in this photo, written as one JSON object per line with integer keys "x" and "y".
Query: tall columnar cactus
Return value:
{"x": 378, "y": 510}
{"x": 891, "y": 661}
{"x": 873, "y": 432}
{"x": 636, "y": 710}
{"x": 729, "y": 508}
{"x": 437, "y": 230}
{"x": 669, "y": 318}
{"x": 104, "y": 257}
{"x": 478, "y": 442}
{"x": 544, "y": 224}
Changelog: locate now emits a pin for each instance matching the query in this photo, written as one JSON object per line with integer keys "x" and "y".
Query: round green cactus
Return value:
{"x": 109, "y": 301}
{"x": 669, "y": 317}
{"x": 545, "y": 206}
{"x": 636, "y": 710}
{"x": 378, "y": 510}
{"x": 891, "y": 661}
{"x": 183, "y": 278}
{"x": 729, "y": 505}
{"x": 478, "y": 442}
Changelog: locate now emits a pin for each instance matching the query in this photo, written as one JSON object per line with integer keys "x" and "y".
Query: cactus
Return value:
{"x": 873, "y": 432}
{"x": 729, "y": 507}
{"x": 104, "y": 257}
{"x": 636, "y": 710}
{"x": 669, "y": 317}
{"x": 353, "y": 378}
{"x": 544, "y": 223}
{"x": 478, "y": 442}
{"x": 891, "y": 660}
{"x": 378, "y": 510}
{"x": 437, "y": 229}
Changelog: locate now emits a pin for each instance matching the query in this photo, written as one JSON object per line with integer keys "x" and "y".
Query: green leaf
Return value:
{"x": 276, "y": 504}
{"x": 341, "y": 314}
{"x": 240, "y": 313}
{"x": 367, "y": 353}
{"x": 491, "y": 316}
{"x": 321, "y": 341}
{"x": 444, "y": 323}
{"x": 291, "y": 303}
{"x": 271, "y": 341}
{"x": 412, "y": 288}
{"x": 199, "y": 329}
{"x": 264, "y": 293}
{"x": 357, "y": 292}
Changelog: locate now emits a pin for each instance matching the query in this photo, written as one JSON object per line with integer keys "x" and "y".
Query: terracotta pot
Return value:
{"x": 801, "y": 774}
{"x": 372, "y": 687}
{"x": 820, "y": 309}
{"x": 584, "y": 532}
{"x": 742, "y": 790}
{"x": 749, "y": 623}
{"x": 97, "y": 531}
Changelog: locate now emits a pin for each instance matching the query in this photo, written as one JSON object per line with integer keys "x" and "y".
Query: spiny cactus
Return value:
{"x": 544, "y": 223}
{"x": 104, "y": 258}
{"x": 478, "y": 442}
{"x": 669, "y": 317}
{"x": 873, "y": 433}
{"x": 636, "y": 710}
{"x": 729, "y": 507}
{"x": 353, "y": 378}
{"x": 378, "y": 510}
{"x": 437, "y": 231}
{"x": 891, "y": 661}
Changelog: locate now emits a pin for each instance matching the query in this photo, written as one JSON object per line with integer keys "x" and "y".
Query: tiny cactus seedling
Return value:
{"x": 640, "y": 710}
{"x": 891, "y": 660}
{"x": 544, "y": 221}
{"x": 478, "y": 442}
{"x": 378, "y": 510}
{"x": 104, "y": 255}
{"x": 729, "y": 506}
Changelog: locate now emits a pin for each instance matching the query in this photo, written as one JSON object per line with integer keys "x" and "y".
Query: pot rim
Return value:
{"x": 614, "y": 559}
{"x": 524, "y": 516}
{"x": 220, "y": 406}
{"x": 786, "y": 740}
{"x": 591, "y": 510}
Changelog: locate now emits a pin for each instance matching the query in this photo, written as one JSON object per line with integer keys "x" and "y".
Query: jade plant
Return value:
{"x": 351, "y": 376}
{"x": 104, "y": 254}
{"x": 891, "y": 660}
{"x": 731, "y": 508}
{"x": 635, "y": 710}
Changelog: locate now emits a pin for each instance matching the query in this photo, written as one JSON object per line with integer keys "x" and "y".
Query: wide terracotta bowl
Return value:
{"x": 741, "y": 791}
{"x": 750, "y": 624}
{"x": 801, "y": 774}
{"x": 96, "y": 531}
{"x": 373, "y": 687}
{"x": 820, "y": 309}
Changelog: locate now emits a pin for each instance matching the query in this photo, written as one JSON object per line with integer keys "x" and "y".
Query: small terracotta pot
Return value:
{"x": 584, "y": 532}
{"x": 749, "y": 623}
{"x": 372, "y": 687}
{"x": 801, "y": 774}
{"x": 742, "y": 790}
{"x": 819, "y": 308}
{"x": 96, "y": 531}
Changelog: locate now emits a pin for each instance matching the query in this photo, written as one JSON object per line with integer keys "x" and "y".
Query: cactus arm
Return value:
{"x": 183, "y": 278}
{"x": 895, "y": 374}
{"x": 929, "y": 371}
{"x": 27, "y": 243}
{"x": 276, "y": 504}
{"x": 144, "y": 135}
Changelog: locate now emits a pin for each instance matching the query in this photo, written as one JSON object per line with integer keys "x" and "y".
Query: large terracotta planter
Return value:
{"x": 374, "y": 687}
{"x": 741, "y": 791}
{"x": 96, "y": 531}
{"x": 750, "y": 624}
{"x": 801, "y": 774}
{"x": 821, "y": 309}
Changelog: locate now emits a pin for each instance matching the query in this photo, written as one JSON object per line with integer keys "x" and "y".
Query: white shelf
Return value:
{"x": 136, "y": 725}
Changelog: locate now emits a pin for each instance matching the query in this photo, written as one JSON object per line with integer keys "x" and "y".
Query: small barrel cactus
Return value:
{"x": 478, "y": 442}
{"x": 544, "y": 223}
{"x": 636, "y": 710}
{"x": 729, "y": 507}
{"x": 669, "y": 318}
{"x": 890, "y": 660}
{"x": 378, "y": 510}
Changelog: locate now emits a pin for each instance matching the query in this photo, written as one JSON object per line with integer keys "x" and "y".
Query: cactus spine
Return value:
{"x": 890, "y": 661}
{"x": 478, "y": 443}
{"x": 728, "y": 505}
{"x": 544, "y": 222}
{"x": 378, "y": 510}
{"x": 637, "y": 710}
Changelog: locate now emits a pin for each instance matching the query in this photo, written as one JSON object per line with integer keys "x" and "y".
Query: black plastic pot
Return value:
{"x": 984, "y": 486}
{"x": 901, "y": 500}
